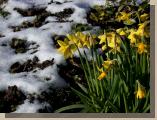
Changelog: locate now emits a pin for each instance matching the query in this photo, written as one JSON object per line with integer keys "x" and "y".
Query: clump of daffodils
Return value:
{"x": 125, "y": 18}
{"x": 74, "y": 41}
{"x": 119, "y": 57}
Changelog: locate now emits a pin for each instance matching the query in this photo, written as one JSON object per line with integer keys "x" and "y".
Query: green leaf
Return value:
{"x": 70, "y": 107}
{"x": 83, "y": 88}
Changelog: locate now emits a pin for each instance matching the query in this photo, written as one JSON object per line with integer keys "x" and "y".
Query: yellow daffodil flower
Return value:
{"x": 129, "y": 21}
{"x": 143, "y": 29}
{"x": 102, "y": 75}
{"x": 73, "y": 42}
{"x": 107, "y": 64}
{"x": 111, "y": 40}
{"x": 66, "y": 48}
{"x": 141, "y": 48}
{"x": 121, "y": 31}
{"x": 126, "y": 18}
{"x": 133, "y": 36}
{"x": 123, "y": 16}
{"x": 140, "y": 93}
{"x": 73, "y": 39}
{"x": 102, "y": 38}
{"x": 144, "y": 17}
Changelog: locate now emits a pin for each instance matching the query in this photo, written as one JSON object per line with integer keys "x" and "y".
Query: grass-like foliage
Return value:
{"x": 118, "y": 83}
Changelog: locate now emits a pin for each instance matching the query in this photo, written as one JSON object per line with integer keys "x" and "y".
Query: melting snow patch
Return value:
{"x": 28, "y": 81}
{"x": 28, "y": 107}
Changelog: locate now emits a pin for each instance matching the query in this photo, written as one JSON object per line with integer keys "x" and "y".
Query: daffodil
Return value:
{"x": 141, "y": 92}
{"x": 129, "y": 21}
{"x": 121, "y": 31}
{"x": 107, "y": 64}
{"x": 123, "y": 16}
{"x": 132, "y": 36}
{"x": 141, "y": 48}
{"x": 66, "y": 48}
{"x": 73, "y": 39}
{"x": 143, "y": 29}
{"x": 102, "y": 75}
{"x": 144, "y": 17}
{"x": 126, "y": 18}
{"x": 110, "y": 40}
{"x": 81, "y": 39}
{"x": 89, "y": 41}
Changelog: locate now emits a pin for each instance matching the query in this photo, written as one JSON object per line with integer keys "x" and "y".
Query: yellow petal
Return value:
{"x": 102, "y": 76}
{"x": 61, "y": 43}
{"x": 102, "y": 38}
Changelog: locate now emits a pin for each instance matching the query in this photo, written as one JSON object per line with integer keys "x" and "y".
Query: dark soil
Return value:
{"x": 22, "y": 46}
{"x": 107, "y": 21}
{"x": 3, "y": 2}
{"x": 81, "y": 27}
{"x": 30, "y": 11}
{"x": 3, "y": 13}
{"x": 72, "y": 72}
{"x": 58, "y": 3}
{"x": 57, "y": 98}
{"x": 61, "y": 16}
{"x": 1, "y": 35}
{"x": 10, "y": 98}
{"x": 41, "y": 14}
{"x": 30, "y": 65}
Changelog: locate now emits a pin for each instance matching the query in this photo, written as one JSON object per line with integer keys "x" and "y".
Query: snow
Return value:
{"x": 29, "y": 82}
{"x": 28, "y": 107}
